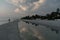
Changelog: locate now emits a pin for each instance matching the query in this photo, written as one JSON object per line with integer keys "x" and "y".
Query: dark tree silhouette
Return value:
{"x": 52, "y": 16}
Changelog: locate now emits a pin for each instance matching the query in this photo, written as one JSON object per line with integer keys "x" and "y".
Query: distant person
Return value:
{"x": 9, "y": 20}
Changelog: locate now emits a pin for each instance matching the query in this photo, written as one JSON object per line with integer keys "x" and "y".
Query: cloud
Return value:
{"x": 36, "y": 5}
{"x": 15, "y": 2}
{"x": 24, "y": 8}
{"x": 17, "y": 10}
{"x": 18, "y": 5}
{"x": 27, "y": 6}
{"x": 31, "y": 1}
{"x": 20, "y": 9}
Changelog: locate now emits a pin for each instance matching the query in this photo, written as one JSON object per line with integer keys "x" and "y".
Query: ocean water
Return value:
{"x": 32, "y": 32}
{"x": 3, "y": 22}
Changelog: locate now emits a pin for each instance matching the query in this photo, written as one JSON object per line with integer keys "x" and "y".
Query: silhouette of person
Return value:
{"x": 9, "y": 19}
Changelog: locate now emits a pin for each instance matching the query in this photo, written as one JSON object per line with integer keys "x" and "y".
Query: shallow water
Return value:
{"x": 1, "y": 23}
{"x": 32, "y": 32}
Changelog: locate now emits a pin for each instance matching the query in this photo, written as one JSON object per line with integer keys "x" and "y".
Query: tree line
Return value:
{"x": 51, "y": 16}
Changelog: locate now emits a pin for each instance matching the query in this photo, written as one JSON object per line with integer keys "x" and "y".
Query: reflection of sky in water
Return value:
{"x": 31, "y": 32}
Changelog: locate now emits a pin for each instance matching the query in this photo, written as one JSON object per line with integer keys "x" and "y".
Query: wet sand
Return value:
{"x": 9, "y": 31}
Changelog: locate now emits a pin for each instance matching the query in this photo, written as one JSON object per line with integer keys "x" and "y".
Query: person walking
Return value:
{"x": 9, "y": 19}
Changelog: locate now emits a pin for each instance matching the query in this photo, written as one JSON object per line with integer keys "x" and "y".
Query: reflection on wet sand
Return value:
{"x": 29, "y": 32}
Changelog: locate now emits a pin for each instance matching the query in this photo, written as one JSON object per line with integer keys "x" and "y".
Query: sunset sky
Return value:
{"x": 19, "y": 8}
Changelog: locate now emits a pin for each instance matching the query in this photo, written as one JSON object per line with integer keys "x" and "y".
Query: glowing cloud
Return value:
{"x": 22, "y": 1}
{"x": 38, "y": 4}
{"x": 20, "y": 9}
{"x": 14, "y": 2}
{"x": 26, "y": 5}
{"x": 17, "y": 10}
{"x": 42, "y": 1}
{"x": 24, "y": 8}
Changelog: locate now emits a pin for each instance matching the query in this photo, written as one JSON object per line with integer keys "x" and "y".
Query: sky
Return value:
{"x": 20, "y": 8}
